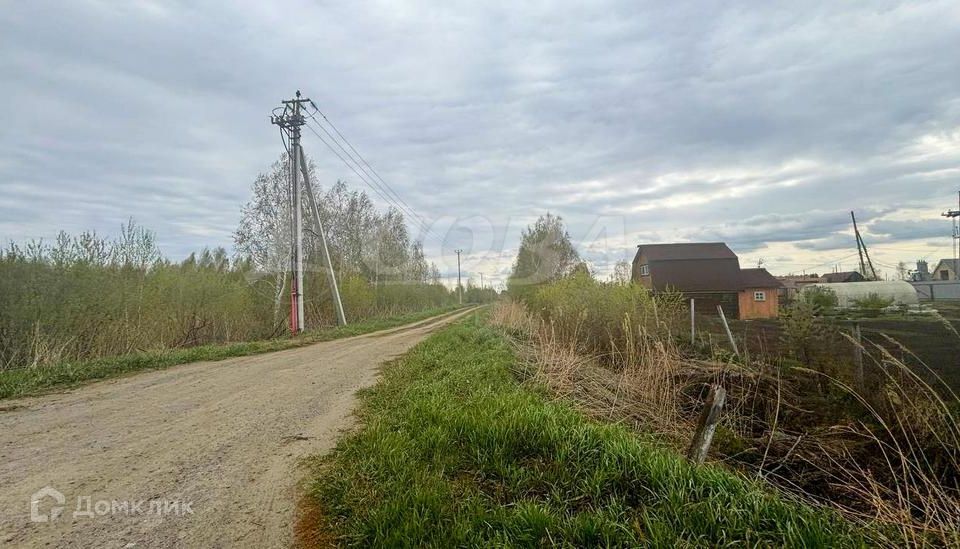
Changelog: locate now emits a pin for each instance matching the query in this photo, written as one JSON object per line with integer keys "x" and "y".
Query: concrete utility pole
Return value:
{"x": 290, "y": 120}
{"x": 459, "y": 287}
{"x": 862, "y": 250}
{"x": 331, "y": 278}
{"x": 954, "y": 216}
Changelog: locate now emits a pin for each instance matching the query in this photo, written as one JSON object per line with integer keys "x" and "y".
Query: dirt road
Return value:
{"x": 199, "y": 455}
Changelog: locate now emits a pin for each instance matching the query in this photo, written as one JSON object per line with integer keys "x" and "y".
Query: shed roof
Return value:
{"x": 797, "y": 281}
{"x": 843, "y": 276}
{"x": 686, "y": 250}
{"x": 758, "y": 278}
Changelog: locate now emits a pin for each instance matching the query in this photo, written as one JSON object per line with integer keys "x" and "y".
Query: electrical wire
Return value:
{"x": 360, "y": 156}
{"x": 379, "y": 191}
{"x": 817, "y": 264}
{"x": 374, "y": 188}
{"x": 283, "y": 140}
{"x": 384, "y": 190}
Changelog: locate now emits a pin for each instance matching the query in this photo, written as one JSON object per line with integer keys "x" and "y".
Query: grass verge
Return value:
{"x": 32, "y": 381}
{"x": 454, "y": 451}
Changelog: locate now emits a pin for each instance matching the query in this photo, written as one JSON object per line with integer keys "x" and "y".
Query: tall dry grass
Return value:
{"x": 886, "y": 456}
{"x": 914, "y": 431}
{"x": 608, "y": 346}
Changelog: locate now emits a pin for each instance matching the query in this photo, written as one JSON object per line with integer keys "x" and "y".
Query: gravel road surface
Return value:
{"x": 198, "y": 455}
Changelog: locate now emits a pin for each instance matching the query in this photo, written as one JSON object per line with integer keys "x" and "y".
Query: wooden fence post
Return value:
{"x": 709, "y": 417}
{"x": 858, "y": 356}
{"x": 729, "y": 333}
{"x": 693, "y": 329}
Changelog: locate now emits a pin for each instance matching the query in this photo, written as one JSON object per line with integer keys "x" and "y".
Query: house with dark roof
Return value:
{"x": 842, "y": 276}
{"x": 710, "y": 273}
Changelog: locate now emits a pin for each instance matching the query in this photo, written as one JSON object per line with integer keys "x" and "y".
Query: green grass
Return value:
{"x": 31, "y": 381}
{"x": 455, "y": 452}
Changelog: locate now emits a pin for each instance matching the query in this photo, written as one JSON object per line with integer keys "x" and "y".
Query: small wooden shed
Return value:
{"x": 759, "y": 294}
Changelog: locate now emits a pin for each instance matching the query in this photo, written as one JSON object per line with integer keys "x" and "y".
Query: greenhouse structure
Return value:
{"x": 848, "y": 293}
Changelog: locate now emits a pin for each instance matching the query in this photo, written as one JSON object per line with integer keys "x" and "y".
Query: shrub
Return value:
{"x": 873, "y": 302}
{"x": 823, "y": 300}
{"x": 801, "y": 330}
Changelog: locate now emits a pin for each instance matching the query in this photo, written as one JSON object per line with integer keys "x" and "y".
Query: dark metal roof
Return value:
{"x": 697, "y": 275}
{"x": 691, "y": 267}
{"x": 700, "y": 267}
{"x": 845, "y": 276}
{"x": 758, "y": 278}
{"x": 797, "y": 281}
{"x": 686, "y": 250}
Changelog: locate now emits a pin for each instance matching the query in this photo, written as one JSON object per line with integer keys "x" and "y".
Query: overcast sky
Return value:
{"x": 747, "y": 122}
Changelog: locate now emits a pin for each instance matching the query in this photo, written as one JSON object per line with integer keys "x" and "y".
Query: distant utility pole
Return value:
{"x": 290, "y": 121}
{"x": 481, "y": 281}
{"x": 954, "y": 216}
{"x": 459, "y": 287}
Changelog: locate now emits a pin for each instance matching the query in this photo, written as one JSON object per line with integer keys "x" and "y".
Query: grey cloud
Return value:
{"x": 805, "y": 229}
{"x": 909, "y": 230}
{"x": 832, "y": 242}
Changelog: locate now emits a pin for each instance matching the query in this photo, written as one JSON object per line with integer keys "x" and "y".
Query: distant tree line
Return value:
{"x": 86, "y": 296}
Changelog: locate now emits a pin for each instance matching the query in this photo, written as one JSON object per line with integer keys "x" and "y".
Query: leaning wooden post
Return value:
{"x": 707, "y": 424}
{"x": 693, "y": 329}
{"x": 858, "y": 356}
{"x": 729, "y": 333}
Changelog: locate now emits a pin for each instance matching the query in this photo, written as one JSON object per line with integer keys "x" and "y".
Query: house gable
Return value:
{"x": 687, "y": 267}
{"x": 946, "y": 269}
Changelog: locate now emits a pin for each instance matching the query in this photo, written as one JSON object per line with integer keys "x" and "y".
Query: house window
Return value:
{"x": 759, "y": 296}
{"x": 644, "y": 270}
{"x": 944, "y": 275}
